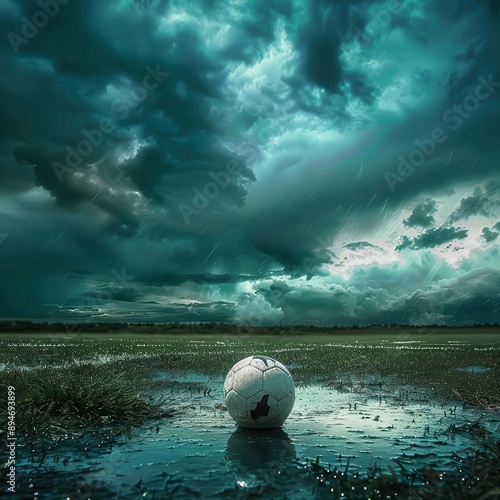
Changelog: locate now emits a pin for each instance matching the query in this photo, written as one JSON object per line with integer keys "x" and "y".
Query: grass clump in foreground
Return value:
{"x": 75, "y": 397}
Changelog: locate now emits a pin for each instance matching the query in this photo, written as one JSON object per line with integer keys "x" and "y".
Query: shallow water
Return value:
{"x": 200, "y": 452}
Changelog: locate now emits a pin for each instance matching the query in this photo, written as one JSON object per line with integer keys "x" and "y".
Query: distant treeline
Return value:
{"x": 200, "y": 328}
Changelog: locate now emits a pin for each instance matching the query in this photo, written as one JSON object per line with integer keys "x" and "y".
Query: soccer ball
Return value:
{"x": 259, "y": 392}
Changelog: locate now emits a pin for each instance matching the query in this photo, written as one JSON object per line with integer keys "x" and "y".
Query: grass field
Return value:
{"x": 454, "y": 366}
{"x": 82, "y": 384}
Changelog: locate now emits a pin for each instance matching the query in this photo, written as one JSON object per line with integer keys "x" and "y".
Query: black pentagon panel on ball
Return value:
{"x": 265, "y": 360}
{"x": 262, "y": 408}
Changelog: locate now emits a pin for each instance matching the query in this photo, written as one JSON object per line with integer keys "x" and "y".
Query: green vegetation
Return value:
{"x": 87, "y": 380}
{"x": 470, "y": 373}
{"x": 76, "y": 397}
{"x": 470, "y": 474}
{"x": 81, "y": 383}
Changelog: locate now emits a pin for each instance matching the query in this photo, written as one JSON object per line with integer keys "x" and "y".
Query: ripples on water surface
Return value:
{"x": 199, "y": 452}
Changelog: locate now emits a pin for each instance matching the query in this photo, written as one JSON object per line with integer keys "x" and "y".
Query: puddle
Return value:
{"x": 200, "y": 451}
{"x": 180, "y": 376}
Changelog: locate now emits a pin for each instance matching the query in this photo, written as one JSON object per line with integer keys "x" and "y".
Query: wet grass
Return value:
{"x": 473, "y": 473}
{"x": 82, "y": 383}
{"x": 481, "y": 390}
{"x": 313, "y": 356}
{"x": 54, "y": 399}
{"x": 83, "y": 380}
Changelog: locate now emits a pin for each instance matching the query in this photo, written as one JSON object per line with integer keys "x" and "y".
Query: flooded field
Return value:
{"x": 361, "y": 402}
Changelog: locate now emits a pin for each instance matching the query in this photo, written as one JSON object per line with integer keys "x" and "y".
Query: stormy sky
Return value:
{"x": 328, "y": 162}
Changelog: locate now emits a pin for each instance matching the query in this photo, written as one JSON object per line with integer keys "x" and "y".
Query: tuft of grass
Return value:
{"x": 474, "y": 473}
{"x": 482, "y": 390}
{"x": 78, "y": 396}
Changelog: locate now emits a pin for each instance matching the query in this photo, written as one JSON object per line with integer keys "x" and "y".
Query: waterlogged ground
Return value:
{"x": 359, "y": 401}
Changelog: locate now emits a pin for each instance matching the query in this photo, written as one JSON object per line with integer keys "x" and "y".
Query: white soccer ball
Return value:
{"x": 259, "y": 392}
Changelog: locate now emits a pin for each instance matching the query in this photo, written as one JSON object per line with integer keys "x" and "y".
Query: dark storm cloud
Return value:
{"x": 402, "y": 278}
{"x": 127, "y": 87}
{"x": 323, "y": 28}
{"x": 171, "y": 279}
{"x": 491, "y": 234}
{"x": 273, "y": 292}
{"x": 209, "y": 148}
{"x": 114, "y": 293}
{"x": 152, "y": 312}
{"x": 422, "y": 215}
{"x": 248, "y": 38}
{"x": 319, "y": 44}
{"x": 433, "y": 238}
{"x": 473, "y": 205}
{"x": 492, "y": 190}
{"x": 431, "y": 292}
{"x": 358, "y": 245}
{"x": 463, "y": 299}
{"x": 348, "y": 188}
